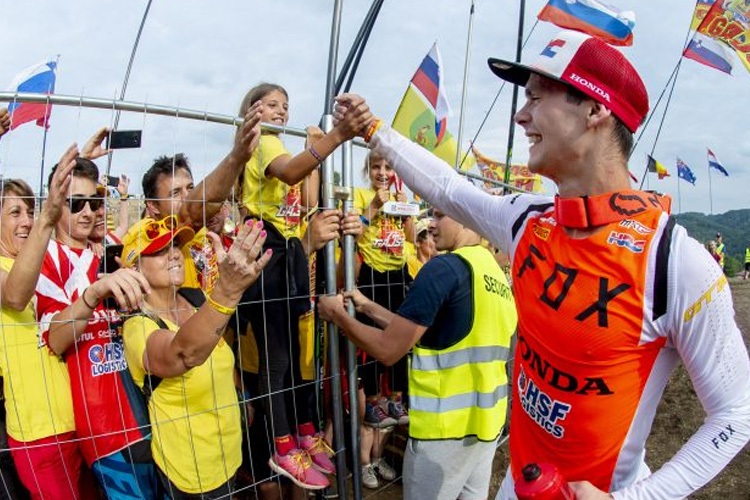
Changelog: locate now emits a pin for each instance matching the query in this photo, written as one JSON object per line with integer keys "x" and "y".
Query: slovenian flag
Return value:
{"x": 714, "y": 163}
{"x": 710, "y": 52}
{"x": 39, "y": 79}
{"x": 592, "y": 17}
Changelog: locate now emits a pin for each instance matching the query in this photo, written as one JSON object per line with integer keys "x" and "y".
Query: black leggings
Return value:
{"x": 387, "y": 289}
{"x": 273, "y": 306}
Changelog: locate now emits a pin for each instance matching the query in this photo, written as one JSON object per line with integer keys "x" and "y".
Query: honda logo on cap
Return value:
{"x": 551, "y": 49}
{"x": 597, "y": 89}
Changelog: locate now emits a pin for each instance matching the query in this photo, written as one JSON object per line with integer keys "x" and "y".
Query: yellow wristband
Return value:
{"x": 374, "y": 126}
{"x": 218, "y": 307}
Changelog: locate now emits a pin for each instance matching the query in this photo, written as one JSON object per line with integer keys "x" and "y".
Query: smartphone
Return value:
{"x": 113, "y": 181}
{"x": 122, "y": 139}
{"x": 108, "y": 264}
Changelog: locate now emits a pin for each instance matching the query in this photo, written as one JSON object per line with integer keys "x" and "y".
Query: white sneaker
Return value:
{"x": 384, "y": 470}
{"x": 369, "y": 478}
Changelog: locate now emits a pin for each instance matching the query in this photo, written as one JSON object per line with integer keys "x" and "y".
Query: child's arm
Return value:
{"x": 291, "y": 170}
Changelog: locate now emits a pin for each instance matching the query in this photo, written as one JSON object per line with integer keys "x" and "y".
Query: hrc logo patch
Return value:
{"x": 625, "y": 240}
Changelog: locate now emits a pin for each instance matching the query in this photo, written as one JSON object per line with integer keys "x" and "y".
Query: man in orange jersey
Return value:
{"x": 605, "y": 313}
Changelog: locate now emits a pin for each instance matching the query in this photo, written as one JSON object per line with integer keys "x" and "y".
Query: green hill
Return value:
{"x": 734, "y": 225}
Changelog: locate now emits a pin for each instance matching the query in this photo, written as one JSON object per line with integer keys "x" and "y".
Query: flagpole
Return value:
{"x": 514, "y": 102}
{"x": 466, "y": 80}
{"x": 127, "y": 75}
{"x": 710, "y": 192}
{"x": 679, "y": 196}
{"x": 44, "y": 135}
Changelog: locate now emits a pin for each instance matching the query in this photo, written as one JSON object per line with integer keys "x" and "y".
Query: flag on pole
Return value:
{"x": 40, "y": 79}
{"x": 728, "y": 21}
{"x": 656, "y": 167}
{"x": 711, "y": 52}
{"x": 593, "y": 17}
{"x": 684, "y": 172}
{"x": 423, "y": 113}
{"x": 714, "y": 163}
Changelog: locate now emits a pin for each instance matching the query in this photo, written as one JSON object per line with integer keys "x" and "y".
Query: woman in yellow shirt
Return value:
{"x": 177, "y": 356}
{"x": 38, "y": 406}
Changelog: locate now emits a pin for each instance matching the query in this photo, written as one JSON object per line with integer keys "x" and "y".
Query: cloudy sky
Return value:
{"x": 206, "y": 55}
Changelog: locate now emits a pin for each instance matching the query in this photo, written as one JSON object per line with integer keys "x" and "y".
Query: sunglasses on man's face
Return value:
{"x": 77, "y": 203}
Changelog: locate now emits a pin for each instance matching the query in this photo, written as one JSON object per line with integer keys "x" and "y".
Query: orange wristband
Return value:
{"x": 374, "y": 126}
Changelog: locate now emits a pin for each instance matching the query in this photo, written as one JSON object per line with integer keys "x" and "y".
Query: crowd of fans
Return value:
{"x": 138, "y": 357}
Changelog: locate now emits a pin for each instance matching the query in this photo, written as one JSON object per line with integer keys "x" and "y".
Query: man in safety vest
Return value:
{"x": 459, "y": 318}
{"x": 747, "y": 262}
{"x": 606, "y": 310}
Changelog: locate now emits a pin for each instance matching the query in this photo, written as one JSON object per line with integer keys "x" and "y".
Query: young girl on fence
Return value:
{"x": 277, "y": 307}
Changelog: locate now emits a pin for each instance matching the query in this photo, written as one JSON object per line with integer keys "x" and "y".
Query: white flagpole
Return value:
{"x": 466, "y": 79}
{"x": 710, "y": 192}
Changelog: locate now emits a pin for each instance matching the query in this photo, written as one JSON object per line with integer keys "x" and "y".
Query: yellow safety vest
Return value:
{"x": 720, "y": 249}
{"x": 747, "y": 255}
{"x": 463, "y": 390}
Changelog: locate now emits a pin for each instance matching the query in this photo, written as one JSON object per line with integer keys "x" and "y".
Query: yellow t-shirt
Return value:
{"x": 413, "y": 264}
{"x": 35, "y": 381}
{"x": 382, "y": 244}
{"x": 195, "y": 418}
{"x": 267, "y": 197}
{"x": 201, "y": 265}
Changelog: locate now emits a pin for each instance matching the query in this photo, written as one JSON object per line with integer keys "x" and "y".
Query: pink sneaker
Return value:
{"x": 319, "y": 452}
{"x": 297, "y": 466}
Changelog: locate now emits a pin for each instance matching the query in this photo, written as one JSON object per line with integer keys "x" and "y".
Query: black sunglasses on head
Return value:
{"x": 76, "y": 203}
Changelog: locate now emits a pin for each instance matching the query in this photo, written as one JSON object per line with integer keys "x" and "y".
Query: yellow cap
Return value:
{"x": 149, "y": 236}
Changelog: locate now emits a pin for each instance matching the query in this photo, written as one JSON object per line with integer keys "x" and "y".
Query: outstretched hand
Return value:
{"x": 351, "y": 116}
{"x": 248, "y": 135}
{"x": 58, "y": 187}
{"x": 93, "y": 148}
{"x": 240, "y": 266}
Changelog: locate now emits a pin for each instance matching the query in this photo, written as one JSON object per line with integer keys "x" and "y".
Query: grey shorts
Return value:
{"x": 448, "y": 469}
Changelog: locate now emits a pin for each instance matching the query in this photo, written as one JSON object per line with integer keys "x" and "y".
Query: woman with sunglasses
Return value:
{"x": 39, "y": 410}
{"x": 75, "y": 322}
{"x": 178, "y": 357}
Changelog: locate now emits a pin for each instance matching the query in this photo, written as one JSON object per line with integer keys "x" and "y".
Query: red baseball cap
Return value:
{"x": 590, "y": 65}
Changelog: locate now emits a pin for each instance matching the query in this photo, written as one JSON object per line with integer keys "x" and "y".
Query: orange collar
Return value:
{"x": 599, "y": 210}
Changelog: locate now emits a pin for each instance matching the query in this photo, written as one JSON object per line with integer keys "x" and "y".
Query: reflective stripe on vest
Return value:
{"x": 459, "y": 401}
{"x": 443, "y": 360}
{"x": 462, "y": 390}
{"x": 747, "y": 256}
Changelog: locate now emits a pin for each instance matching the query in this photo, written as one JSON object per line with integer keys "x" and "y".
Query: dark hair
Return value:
{"x": 163, "y": 165}
{"x": 19, "y": 188}
{"x": 84, "y": 168}
{"x": 259, "y": 92}
{"x": 621, "y": 134}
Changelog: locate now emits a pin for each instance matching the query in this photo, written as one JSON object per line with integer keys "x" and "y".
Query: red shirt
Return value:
{"x": 109, "y": 410}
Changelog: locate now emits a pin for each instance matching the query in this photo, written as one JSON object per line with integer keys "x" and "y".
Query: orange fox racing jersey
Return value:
{"x": 603, "y": 321}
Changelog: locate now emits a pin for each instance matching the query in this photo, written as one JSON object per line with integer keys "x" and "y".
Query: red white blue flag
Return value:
{"x": 711, "y": 52}
{"x": 429, "y": 82}
{"x": 713, "y": 162}
{"x": 592, "y": 17}
{"x": 39, "y": 79}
